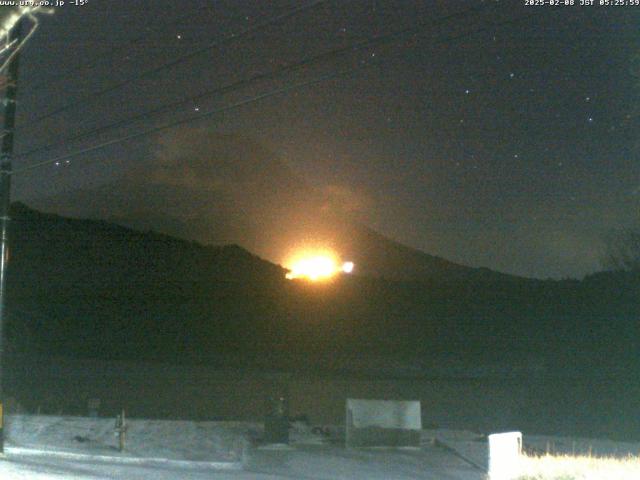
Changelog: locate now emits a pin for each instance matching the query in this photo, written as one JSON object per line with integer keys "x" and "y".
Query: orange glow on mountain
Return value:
{"x": 317, "y": 266}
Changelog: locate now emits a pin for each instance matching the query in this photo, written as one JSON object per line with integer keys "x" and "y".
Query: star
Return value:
{"x": 179, "y": 37}
{"x": 590, "y": 119}
{"x": 467, "y": 91}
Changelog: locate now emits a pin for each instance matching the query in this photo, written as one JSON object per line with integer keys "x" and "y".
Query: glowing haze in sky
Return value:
{"x": 504, "y": 137}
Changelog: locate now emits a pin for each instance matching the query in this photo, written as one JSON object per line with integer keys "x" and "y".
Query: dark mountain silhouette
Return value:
{"x": 228, "y": 189}
{"x": 379, "y": 256}
{"x": 94, "y": 289}
{"x": 214, "y": 223}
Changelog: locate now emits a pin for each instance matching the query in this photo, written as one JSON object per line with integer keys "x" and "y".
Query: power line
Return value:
{"x": 228, "y": 38}
{"x": 178, "y": 122}
{"x": 355, "y": 47}
{"x": 272, "y": 93}
{"x": 38, "y": 87}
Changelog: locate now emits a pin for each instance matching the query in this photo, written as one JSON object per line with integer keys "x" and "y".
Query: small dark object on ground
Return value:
{"x": 324, "y": 431}
{"x": 299, "y": 418}
{"x": 81, "y": 439}
{"x": 531, "y": 450}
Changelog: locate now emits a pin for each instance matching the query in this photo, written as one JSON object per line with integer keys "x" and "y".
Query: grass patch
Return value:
{"x": 572, "y": 467}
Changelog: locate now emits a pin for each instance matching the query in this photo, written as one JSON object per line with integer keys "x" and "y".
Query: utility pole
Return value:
{"x": 6, "y": 154}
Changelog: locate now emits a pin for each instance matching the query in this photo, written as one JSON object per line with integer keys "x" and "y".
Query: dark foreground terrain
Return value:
{"x": 173, "y": 329}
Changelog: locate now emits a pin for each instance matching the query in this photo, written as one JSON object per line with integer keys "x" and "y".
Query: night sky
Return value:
{"x": 489, "y": 133}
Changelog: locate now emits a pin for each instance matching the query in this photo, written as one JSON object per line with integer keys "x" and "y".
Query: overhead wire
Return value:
{"x": 95, "y": 61}
{"x": 65, "y": 157}
{"x": 234, "y": 36}
{"x": 351, "y": 48}
{"x": 176, "y": 123}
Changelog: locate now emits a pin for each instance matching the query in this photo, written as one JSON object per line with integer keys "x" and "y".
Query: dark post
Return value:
{"x": 121, "y": 430}
{"x": 5, "y": 197}
{"x": 276, "y": 423}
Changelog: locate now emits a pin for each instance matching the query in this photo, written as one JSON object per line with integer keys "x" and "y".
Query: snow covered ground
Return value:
{"x": 174, "y": 440}
{"x": 56, "y": 448}
{"x": 305, "y": 462}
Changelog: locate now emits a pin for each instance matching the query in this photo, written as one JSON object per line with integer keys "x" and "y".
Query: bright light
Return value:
{"x": 347, "y": 267}
{"x": 314, "y": 268}
{"x": 317, "y": 266}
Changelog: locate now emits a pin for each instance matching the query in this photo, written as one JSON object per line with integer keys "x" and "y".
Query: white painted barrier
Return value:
{"x": 505, "y": 450}
{"x": 380, "y": 423}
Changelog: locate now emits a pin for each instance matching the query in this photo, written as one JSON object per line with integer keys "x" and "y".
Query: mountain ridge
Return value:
{"x": 92, "y": 289}
{"x": 374, "y": 254}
